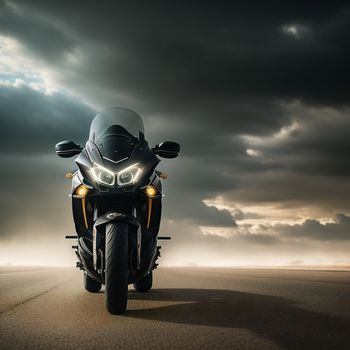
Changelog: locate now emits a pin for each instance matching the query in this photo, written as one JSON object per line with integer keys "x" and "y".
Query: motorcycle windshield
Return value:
{"x": 115, "y": 131}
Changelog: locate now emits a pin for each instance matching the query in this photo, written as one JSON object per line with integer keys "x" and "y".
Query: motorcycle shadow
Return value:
{"x": 273, "y": 318}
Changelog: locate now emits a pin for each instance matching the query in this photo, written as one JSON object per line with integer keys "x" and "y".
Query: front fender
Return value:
{"x": 114, "y": 216}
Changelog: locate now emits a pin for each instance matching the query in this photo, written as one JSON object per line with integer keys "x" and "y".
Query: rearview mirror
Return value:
{"x": 167, "y": 149}
{"x": 67, "y": 149}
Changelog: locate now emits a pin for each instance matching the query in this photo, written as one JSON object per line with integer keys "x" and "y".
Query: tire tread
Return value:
{"x": 116, "y": 274}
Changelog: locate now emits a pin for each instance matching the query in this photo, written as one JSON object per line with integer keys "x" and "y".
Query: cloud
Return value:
{"x": 32, "y": 122}
{"x": 314, "y": 230}
{"x": 228, "y": 52}
{"x": 295, "y": 30}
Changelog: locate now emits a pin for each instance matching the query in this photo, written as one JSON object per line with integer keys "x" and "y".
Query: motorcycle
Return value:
{"x": 117, "y": 202}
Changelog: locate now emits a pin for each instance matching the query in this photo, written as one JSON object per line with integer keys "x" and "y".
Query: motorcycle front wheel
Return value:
{"x": 116, "y": 270}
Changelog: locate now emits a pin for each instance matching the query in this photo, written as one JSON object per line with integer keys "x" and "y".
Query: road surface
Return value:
{"x": 189, "y": 308}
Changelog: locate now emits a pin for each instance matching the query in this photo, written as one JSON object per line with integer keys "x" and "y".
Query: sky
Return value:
{"x": 257, "y": 94}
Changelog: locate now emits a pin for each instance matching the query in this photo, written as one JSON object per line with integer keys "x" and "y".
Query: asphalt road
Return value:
{"x": 189, "y": 308}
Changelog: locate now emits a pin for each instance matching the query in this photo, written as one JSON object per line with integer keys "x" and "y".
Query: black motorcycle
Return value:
{"x": 117, "y": 203}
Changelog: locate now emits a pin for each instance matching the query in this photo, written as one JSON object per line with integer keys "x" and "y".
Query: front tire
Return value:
{"x": 90, "y": 284}
{"x": 144, "y": 284}
{"x": 116, "y": 274}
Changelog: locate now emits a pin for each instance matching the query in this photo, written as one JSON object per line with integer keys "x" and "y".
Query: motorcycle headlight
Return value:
{"x": 129, "y": 175}
{"x": 103, "y": 175}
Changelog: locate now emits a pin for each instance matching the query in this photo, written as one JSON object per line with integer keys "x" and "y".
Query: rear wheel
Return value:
{"x": 144, "y": 284}
{"x": 90, "y": 284}
{"x": 116, "y": 274}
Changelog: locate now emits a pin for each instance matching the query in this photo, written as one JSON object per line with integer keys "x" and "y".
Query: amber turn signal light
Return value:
{"x": 151, "y": 191}
{"x": 81, "y": 191}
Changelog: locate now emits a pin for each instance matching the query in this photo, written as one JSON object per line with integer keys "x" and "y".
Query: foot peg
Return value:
{"x": 71, "y": 237}
{"x": 163, "y": 237}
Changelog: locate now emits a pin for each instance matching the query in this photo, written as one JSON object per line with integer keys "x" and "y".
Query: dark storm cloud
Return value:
{"x": 31, "y": 122}
{"x": 287, "y": 190}
{"x": 180, "y": 54}
{"x": 313, "y": 229}
{"x": 35, "y": 30}
{"x": 319, "y": 145}
{"x": 214, "y": 69}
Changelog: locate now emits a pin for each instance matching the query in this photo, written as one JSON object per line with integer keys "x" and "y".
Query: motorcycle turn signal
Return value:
{"x": 150, "y": 191}
{"x": 81, "y": 191}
